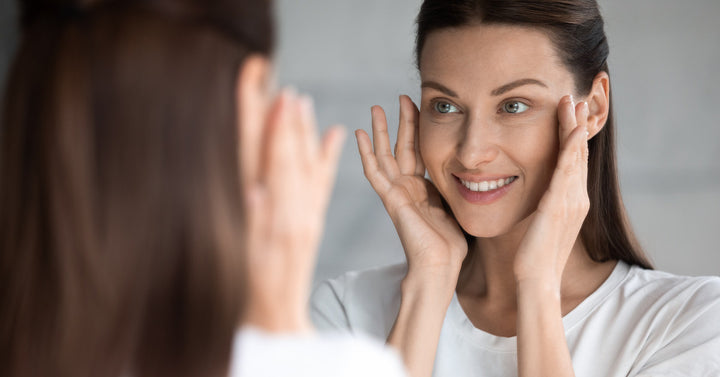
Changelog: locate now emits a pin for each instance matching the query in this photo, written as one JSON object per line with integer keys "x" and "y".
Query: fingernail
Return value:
{"x": 572, "y": 100}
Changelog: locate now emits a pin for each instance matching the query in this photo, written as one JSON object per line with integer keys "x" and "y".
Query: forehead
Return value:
{"x": 481, "y": 56}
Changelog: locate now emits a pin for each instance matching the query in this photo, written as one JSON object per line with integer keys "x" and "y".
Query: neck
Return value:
{"x": 487, "y": 273}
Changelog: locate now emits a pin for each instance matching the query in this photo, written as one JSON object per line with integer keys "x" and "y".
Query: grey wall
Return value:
{"x": 665, "y": 54}
{"x": 352, "y": 54}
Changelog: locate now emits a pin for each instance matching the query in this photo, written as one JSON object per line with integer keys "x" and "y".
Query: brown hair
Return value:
{"x": 577, "y": 30}
{"x": 120, "y": 202}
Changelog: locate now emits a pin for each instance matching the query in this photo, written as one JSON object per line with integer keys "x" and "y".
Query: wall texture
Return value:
{"x": 352, "y": 54}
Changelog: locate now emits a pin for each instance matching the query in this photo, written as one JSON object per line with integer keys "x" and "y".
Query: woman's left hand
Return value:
{"x": 545, "y": 248}
{"x": 556, "y": 223}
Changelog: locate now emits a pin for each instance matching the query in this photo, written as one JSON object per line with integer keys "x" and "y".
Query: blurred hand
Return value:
{"x": 285, "y": 213}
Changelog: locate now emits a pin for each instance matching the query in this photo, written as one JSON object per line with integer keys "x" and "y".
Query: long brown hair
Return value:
{"x": 576, "y": 28}
{"x": 120, "y": 203}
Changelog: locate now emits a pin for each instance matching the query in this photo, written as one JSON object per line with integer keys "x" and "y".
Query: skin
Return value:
{"x": 528, "y": 266}
{"x": 279, "y": 143}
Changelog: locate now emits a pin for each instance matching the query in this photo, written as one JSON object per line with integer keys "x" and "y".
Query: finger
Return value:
{"x": 371, "y": 168}
{"x": 419, "y": 163}
{"x": 283, "y": 144}
{"x": 569, "y": 170}
{"x": 331, "y": 150}
{"x": 405, "y": 146}
{"x": 581, "y": 114}
{"x": 309, "y": 126}
{"x": 566, "y": 118}
{"x": 381, "y": 142}
{"x": 582, "y": 111}
{"x": 274, "y": 121}
{"x": 256, "y": 218}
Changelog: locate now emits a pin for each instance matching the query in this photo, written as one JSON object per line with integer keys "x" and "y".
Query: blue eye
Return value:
{"x": 514, "y": 107}
{"x": 445, "y": 108}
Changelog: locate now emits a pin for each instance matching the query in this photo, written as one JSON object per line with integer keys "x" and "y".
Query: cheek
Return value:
{"x": 436, "y": 145}
{"x": 535, "y": 150}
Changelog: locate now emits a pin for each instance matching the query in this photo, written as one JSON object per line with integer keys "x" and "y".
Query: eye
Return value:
{"x": 514, "y": 107}
{"x": 445, "y": 108}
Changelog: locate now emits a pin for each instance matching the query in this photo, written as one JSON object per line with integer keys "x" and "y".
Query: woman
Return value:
{"x": 520, "y": 259}
{"x": 144, "y": 208}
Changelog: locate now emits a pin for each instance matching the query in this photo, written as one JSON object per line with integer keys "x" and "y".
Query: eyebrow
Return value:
{"x": 439, "y": 87}
{"x": 517, "y": 83}
{"x": 501, "y": 90}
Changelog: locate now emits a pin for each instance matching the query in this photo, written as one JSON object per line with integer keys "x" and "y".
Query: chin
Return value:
{"x": 484, "y": 231}
{"x": 491, "y": 228}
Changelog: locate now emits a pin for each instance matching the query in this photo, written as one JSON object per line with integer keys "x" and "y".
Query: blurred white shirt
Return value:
{"x": 257, "y": 353}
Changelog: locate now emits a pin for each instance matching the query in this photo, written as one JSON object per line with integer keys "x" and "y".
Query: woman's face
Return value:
{"x": 488, "y": 121}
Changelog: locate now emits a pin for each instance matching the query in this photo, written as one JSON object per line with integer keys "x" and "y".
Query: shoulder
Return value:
{"x": 675, "y": 299}
{"x": 257, "y": 353}
{"x": 362, "y": 286}
{"x": 690, "y": 291}
{"x": 366, "y": 300}
{"x": 681, "y": 315}
{"x": 359, "y": 282}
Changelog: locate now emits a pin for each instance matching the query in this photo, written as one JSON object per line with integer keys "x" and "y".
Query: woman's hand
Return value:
{"x": 545, "y": 248}
{"x": 433, "y": 242}
{"x": 556, "y": 223}
{"x": 285, "y": 208}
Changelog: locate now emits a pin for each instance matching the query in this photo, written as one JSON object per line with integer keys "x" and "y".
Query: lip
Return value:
{"x": 476, "y": 178}
{"x": 479, "y": 197}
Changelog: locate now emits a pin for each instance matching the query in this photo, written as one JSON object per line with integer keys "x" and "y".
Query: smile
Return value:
{"x": 484, "y": 192}
{"x": 484, "y": 186}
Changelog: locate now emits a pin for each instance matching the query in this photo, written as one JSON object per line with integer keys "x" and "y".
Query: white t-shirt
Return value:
{"x": 261, "y": 354}
{"x": 637, "y": 323}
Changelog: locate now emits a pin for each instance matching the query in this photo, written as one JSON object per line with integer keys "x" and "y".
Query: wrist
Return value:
{"x": 539, "y": 291}
{"x": 436, "y": 284}
{"x": 279, "y": 314}
{"x": 278, "y": 322}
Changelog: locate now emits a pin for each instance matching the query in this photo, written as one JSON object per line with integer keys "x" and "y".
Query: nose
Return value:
{"x": 478, "y": 145}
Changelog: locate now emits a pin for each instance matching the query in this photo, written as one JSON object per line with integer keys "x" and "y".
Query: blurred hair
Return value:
{"x": 576, "y": 28}
{"x": 120, "y": 202}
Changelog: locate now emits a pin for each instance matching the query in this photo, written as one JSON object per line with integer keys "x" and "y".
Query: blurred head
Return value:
{"x": 493, "y": 73}
{"x": 120, "y": 204}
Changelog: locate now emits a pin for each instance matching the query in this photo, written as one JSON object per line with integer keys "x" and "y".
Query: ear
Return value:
{"x": 252, "y": 103}
{"x": 598, "y": 103}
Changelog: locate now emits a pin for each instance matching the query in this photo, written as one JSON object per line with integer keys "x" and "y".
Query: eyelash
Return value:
{"x": 501, "y": 109}
{"x": 436, "y": 101}
{"x": 505, "y": 103}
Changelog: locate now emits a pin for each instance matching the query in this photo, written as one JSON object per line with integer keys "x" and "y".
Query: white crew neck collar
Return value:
{"x": 460, "y": 322}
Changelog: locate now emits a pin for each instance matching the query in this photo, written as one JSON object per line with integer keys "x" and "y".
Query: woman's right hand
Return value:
{"x": 433, "y": 242}
{"x": 285, "y": 212}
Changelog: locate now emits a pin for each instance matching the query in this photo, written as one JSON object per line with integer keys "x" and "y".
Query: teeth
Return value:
{"x": 487, "y": 185}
